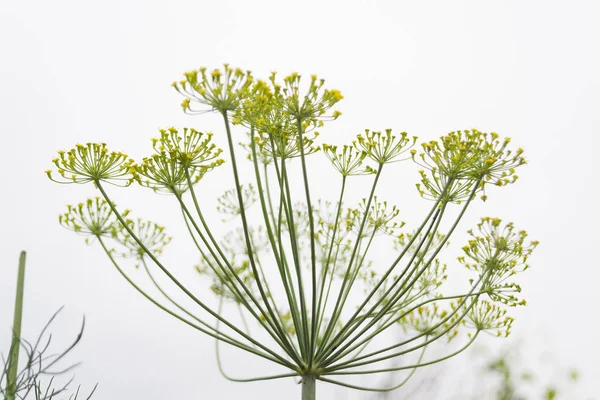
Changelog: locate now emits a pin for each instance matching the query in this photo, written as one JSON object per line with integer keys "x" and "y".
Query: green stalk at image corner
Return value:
{"x": 13, "y": 355}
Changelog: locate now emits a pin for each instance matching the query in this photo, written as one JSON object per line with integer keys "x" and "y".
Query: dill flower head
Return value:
{"x": 385, "y": 147}
{"x": 220, "y": 90}
{"x": 92, "y": 162}
{"x": 261, "y": 108}
{"x": 437, "y": 186}
{"x": 429, "y": 320}
{"x": 497, "y": 253}
{"x": 223, "y": 283}
{"x": 193, "y": 149}
{"x": 311, "y": 104}
{"x": 463, "y": 157}
{"x": 488, "y": 317}
{"x": 285, "y": 143}
{"x": 180, "y": 159}
{"x": 275, "y": 133}
{"x": 93, "y": 217}
{"x": 228, "y": 202}
{"x": 151, "y": 236}
{"x": 380, "y": 217}
{"x": 348, "y": 161}
{"x": 269, "y": 105}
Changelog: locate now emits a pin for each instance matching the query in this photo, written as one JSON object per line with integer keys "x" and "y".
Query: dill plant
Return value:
{"x": 296, "y": 270}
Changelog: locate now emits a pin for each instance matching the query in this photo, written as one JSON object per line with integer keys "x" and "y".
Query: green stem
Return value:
{"x": 218, "y": 272}
{"x": 220, "y": 364}
{"x": 352, "y": 323}
{"x": 417, "y": 365}
{"x": 124, "y": 224}
{"x": 321, "y": 307}
{"x": 447, "y": 328}
{"x": 229, "y": 272}
{"x": 313, "y": 253}
{"x": 386, "y": 389}
{"x": 268, "y": 325}
{"x": 270, "y": 314}
{"x": 309, "y": 387}
{"x": 284, "y": 267}
{"x": 217, "y": 334}
{"x": 395, "y": 298}
{"x": 279, "y": 255}
{"x": 13, "y": 356}
{"x": 267, "y": 189}
{"x": 337, "y": 308}
{"x": 302, "y": 329}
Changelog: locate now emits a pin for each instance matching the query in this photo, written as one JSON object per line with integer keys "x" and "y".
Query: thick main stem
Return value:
{"x": 13, "y": 356}
{"x": 309, "y": 387}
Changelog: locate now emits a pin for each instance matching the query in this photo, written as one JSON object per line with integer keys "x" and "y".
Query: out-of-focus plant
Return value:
{"x": 27, "y": 382}
{"x": 486, "y": 376}
{"x": 512, "y": 381}
{"x": 297, "y": 266}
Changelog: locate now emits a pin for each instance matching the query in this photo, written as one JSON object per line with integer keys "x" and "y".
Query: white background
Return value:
{"x": 78, "y": 71}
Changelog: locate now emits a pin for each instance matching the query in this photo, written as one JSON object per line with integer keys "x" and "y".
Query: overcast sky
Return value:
{"x": 78, "y": 71}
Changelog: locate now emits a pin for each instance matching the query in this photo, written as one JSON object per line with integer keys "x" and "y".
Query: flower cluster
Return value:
{"x": 285, "y": 143}
{"x": 430, "y": 320}
{"x": 275, "y": 134}
{"x": 223, "y": 283}
{"x": 94, "y": 217}
{"x": 193, "y": 149}
{"x": 431, "y": 279}
{"x": 497, "y": 253}
{"x": 348, "y": 162}
{"x": 311, "y": 105}
{"x": 279, "y": 119}
{"x": 231, "y": 275}
{"x": 234, "y": 242}
{"x": 151, "y": 236}
{"x": 263, "y": 157}
{"x": 385, "y": 147}
{"x": 92, "y": 162}
{"x": 228, "y": 202}
{"x": 180, "y": 159}
{"x": 485, "y": 316}
{"x": 273, "y": 104}
{"x": 463, "y": 158}
{"x": 380, "y": 218}
{"x": 261, "y": 109}
{"x": 222, "y": 91}
{"x": 439, "y": 187}
{"x": 325, "y": 217}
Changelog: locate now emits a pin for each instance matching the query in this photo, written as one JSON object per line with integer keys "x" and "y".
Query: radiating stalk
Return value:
{"x": 13, "y": 355}
{"x": 309, "y": 387}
